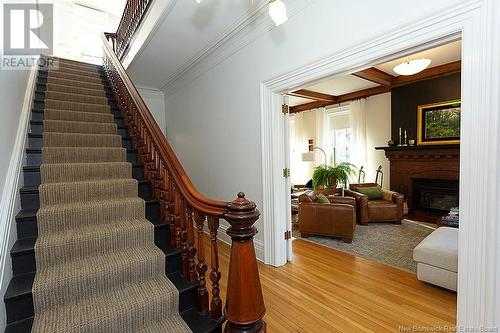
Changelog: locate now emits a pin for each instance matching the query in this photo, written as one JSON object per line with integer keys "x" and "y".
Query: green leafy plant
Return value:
{"x": 333, "y": 176}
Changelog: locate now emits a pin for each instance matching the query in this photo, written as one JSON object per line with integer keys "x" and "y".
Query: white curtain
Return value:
{"x": 358, "y": 131}
{"x": 298, "y": 145}
{"x": 322, "y": 137}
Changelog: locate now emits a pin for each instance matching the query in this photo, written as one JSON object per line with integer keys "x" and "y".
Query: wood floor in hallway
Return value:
{"x": 325, "y": 290}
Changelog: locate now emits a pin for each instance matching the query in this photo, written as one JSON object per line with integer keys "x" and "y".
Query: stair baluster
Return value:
{"x": 177, "y": 218}
{"x": 184, "y": 244}
{"x": 216, "y": 302}
{"x": 192, "y": 275}
{"x": 201, "y": 267}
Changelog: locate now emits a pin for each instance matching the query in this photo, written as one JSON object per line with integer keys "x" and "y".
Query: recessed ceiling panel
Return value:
{"x": 439, "y": 56}
{"x": 342, "y": 85}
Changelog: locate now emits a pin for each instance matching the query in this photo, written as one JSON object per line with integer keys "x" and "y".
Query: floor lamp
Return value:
{"x": 309, "y": 157}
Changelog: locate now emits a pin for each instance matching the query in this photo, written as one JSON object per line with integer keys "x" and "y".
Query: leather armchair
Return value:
{"x": 388, "y": 209}
{"x": 336, "y": 219}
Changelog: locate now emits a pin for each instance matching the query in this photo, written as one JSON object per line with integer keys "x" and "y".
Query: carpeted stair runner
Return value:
{"x": 98, "y": 269}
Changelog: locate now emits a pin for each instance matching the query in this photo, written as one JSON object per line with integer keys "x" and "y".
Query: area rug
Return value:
{"x": 387, "y": 243}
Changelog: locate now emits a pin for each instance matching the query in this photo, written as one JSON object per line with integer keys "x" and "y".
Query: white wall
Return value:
{"x": 155, "y": 101}
{"x": 215, "y": 115}
{"x": 378, "y": 132}
{"x": 12, "y": 90}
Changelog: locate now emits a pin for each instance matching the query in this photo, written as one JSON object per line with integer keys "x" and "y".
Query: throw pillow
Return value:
{"x": 322, "y": 199}
{"x": 373, "y": 193}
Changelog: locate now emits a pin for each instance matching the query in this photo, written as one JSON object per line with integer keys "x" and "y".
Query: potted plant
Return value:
{"x": 327, "y": 176}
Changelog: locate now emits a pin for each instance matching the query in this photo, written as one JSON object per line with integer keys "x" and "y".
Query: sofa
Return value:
{"x": 437, "y": 258}
{"x": 336, "y": 218}
{"x": 387, "y": 208}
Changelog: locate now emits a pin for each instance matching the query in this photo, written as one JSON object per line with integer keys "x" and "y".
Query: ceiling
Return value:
{"x": 184, "y": 34}
{"x": 346, "y": 84}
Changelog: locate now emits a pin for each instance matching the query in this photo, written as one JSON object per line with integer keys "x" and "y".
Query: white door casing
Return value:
{"x": 477, "y": 22}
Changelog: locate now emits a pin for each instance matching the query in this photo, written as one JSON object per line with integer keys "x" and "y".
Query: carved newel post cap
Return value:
{"x": 241, "y": 215}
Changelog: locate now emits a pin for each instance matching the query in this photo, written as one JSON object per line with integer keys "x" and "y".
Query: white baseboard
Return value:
{"x": 10, "y": 201}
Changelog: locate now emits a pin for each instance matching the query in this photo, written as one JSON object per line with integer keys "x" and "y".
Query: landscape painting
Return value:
{"x": 439, "y": 123}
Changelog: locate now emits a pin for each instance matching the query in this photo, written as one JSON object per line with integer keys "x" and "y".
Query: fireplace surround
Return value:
{"x": 413, "y": 166}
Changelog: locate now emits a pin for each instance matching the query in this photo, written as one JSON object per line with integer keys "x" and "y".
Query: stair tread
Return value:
{"x": 196, "y": 322}
{"x": 201, "y": 324}
{"x": 23, "y": 245}
{"x": 36, "y": 168}
{"x": 26, "y": 245}
{"x": 39, "y": 150}
{"x": 29, "y": 188}
{"x": 40, "y": 136}
{"x": 180, "y": 282}
{"x": 21, "y": 285}
{"x": 20, "y": 326}
{"x": 40, "y": 122}
{"x": 25, "y": 214}
{"x": 119, "y": 117}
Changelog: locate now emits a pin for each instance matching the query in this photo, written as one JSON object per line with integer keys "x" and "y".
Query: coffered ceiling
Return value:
{"x": 342, "y": 85}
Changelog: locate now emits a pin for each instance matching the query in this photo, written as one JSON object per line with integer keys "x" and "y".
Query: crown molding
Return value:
{"x": 244, "y": 31}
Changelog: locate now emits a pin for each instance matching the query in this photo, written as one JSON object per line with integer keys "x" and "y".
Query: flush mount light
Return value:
{"x": 277, "y": 11}
{"x": 411, "y": 67}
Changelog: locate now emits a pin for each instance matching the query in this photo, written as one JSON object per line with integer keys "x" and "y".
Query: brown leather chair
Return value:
{"x": 336, "y": 219}
{"x": 388, "y": 209}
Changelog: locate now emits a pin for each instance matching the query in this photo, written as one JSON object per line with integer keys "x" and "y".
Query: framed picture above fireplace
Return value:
{"x": 439, "y": 123}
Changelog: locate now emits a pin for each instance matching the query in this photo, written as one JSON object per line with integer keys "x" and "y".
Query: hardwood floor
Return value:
{"x": 325, "y": 290}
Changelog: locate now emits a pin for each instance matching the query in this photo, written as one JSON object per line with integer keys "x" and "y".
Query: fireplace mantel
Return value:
{"x": 431, "y": 162}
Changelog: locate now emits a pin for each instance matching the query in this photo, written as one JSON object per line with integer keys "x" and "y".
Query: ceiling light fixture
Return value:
{"x": 412, "y": 67}
{"x": 277, "y": 11}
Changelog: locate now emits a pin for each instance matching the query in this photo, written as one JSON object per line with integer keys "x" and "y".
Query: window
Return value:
{"x": 341, "y": 145}
{"x": 340, "y": 135}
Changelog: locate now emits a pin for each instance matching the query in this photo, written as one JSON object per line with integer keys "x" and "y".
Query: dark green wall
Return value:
{"x": 406, "y": 99}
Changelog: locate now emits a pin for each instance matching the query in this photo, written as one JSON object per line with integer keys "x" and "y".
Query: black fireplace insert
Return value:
{"x": 437, "y": 195}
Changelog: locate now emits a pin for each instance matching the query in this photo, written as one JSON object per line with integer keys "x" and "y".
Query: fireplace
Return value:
{"x": 435, "y": 195}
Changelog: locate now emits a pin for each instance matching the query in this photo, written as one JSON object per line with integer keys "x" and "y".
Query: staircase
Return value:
{"x": 94, "y": 253}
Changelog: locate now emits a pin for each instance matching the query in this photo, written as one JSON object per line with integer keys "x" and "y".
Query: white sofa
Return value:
{"x": 437, "y": 258}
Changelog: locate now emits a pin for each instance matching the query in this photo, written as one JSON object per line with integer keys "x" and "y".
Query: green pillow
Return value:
{"x": 373, "y": 193}
{"x": 322, "y": 199}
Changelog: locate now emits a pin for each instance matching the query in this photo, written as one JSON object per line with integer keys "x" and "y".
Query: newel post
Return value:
{"x": 244, "y": 302}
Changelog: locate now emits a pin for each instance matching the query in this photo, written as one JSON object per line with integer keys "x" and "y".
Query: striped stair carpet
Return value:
{"x": 98, "y": 269}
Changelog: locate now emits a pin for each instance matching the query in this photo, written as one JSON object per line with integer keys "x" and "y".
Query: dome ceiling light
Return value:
{"x": 277, "y": 11}
{"x": 412, "y": 67}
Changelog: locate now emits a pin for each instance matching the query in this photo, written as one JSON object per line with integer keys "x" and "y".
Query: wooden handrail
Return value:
{"x": 187, "y": 210}
{"x": 197, "y": 200}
